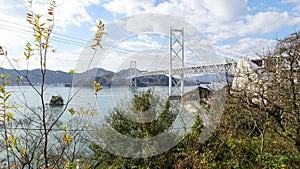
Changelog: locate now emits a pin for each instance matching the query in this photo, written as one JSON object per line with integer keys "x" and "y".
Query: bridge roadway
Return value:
{"x": 212, "y": 68}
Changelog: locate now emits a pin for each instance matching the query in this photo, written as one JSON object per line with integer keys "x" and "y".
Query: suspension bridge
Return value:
{"x": 179, "y": 68}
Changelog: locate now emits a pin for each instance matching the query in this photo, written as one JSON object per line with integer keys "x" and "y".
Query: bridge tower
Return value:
{"x": 132, "y": 74}
{"x": 176, "y": 52}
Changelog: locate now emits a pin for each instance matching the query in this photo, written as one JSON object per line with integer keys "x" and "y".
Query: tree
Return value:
{"x": 260, "y": 121}
{"x": 285, "y": 107}
{"x": 118, "y": 119}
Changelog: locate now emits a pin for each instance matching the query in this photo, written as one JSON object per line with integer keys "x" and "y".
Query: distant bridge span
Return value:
{"x": 213, "y": 68}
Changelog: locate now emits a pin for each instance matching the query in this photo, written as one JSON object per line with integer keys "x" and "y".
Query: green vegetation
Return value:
{"x": 56, "y": 101}
{"x": 260, "y": 127}
{"x": 141, "y": 103}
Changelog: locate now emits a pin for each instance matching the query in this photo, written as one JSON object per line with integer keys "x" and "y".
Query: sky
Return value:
{"x": 242, "y": 27}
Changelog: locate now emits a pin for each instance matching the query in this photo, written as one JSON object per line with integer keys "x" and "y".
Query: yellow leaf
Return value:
{"x": 10, "y": 116}
{"x": 85, "y": 166}
{"x": 72, "y": 111}
{"x": 67, "y": 139}
{"x": 72, "y": 71}
{"x": 97, "y": 87}
{"x": 15, "y": 165}
{"x": 93, "y": 113}
{"x": 23, "y": 151}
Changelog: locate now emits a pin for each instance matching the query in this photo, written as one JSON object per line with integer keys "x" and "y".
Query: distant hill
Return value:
{"x": 119, "y": 79}
{"x": 87, "y": 78}
{"x": 105, "y": 77}
{"x": 52, "y": 77}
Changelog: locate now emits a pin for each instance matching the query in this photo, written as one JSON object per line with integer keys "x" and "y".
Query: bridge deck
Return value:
{"x": 214, "y": 68}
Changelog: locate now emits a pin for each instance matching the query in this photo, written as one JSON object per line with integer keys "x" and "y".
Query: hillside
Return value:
{"x": 106, "y": 78}
{"x": 52, "y": 77}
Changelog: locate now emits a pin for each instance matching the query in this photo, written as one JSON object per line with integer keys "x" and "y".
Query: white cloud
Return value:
{"x": 128, "y": 7}
{"x": 220, "y": 19}
{"x": 13, "y": 26}
{"x": 67, "y": 13}
{"x": 145, "y": 38}
{"x": 15, "y": 8}
{"x": 145, "y": 60}
{"x": 56, "y": 61}
{"x": 64, "y": 61}
{"x": 139, "y": 46}
{"x": 15, "y": 31}
{"x": 262, "y": 22}
{"x": 265, "y": 22}
{"x": 226, "y": 10}
{"x": 75, "y": 12}
{"x": 249, "y": 46}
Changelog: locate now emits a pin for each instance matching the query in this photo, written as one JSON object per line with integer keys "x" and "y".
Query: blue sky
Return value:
{"x": 241, "y": 26}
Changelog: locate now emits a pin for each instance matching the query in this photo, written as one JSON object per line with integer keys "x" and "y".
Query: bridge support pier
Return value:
{"x": 176, "y": 61}
{"x": 132, "y": 74}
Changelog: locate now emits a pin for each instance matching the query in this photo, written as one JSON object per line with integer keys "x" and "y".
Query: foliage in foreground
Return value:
{"x": 260, "y": 127}
{"x": 237, "y": 143}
